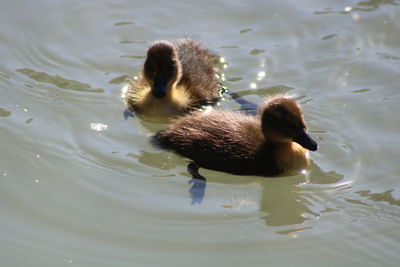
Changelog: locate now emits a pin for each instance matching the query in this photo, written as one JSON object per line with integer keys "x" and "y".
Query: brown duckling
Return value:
{"x": 275, "y": 142}
{"x": 177, "y": 77}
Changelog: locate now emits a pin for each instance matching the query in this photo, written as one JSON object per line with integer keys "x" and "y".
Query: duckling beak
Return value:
{"x": 305, "y": 141}
{"x": 160, "y": 88}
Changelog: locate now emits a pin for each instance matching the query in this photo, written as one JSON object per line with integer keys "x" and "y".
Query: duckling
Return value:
{"x": 272, "y": 143}
{"x": 177, "y": 77}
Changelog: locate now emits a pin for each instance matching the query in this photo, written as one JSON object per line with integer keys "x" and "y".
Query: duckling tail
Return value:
{"x": 158, "y": 140}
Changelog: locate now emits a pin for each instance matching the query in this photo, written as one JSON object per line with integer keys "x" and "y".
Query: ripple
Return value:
{"x": 245, "y": 30}
{"x": 132, "y": 42}
{"x": 386, "y": 196}
{"x": 93, "y": 194}
{"x": 120, "y": 79}
{"x": 363, "y": 6}
{"x": 234, "y": 79}
{"x": 4, "y": 112}
{"x": 327, "y": 37}
{"x": 4, "y": 75}
{"x": 265, "y": 91}
{"x": 386, "y": 56}
{"x": 364, "y": 90}
{"x": 229, "y": 46}
{"x": 134, "y": 57}
{"x": 256, "y": 51}
{"x": 59, "y": 81}
{"x": 123, "y": 23}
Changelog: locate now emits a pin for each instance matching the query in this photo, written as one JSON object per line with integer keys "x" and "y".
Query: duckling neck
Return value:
{"x": 291, "y": 157}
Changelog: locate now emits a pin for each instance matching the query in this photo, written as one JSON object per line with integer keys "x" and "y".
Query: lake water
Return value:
{"x": 81, "y": 186}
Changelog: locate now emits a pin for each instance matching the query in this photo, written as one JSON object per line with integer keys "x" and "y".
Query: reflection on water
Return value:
{"x": 284, "y": 204}
{"x": 317, "y": 176}
{"x": 59, "y": 81}
{"x": 160, "y": 160}
{"x": 287, "y": 203}
{"x": 198, "y": 189}
{"x": 386, "y": 196}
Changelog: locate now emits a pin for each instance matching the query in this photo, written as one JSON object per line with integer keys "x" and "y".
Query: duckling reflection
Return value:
{"x": 284, "y": 203}
{"x": 198, "y": 182}
{"x": 177, "y": 77}
{"x": 270, "y": 144}
{"x": 270, "y": 204}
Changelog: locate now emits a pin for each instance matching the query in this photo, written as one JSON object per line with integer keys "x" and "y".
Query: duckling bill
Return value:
{"x": 273, "y": 143}
{"x": 177, "y": 77}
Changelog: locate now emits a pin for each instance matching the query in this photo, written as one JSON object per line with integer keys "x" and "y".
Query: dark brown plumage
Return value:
{"x": 272, "y": 143}
{"x": 177, "y": 77}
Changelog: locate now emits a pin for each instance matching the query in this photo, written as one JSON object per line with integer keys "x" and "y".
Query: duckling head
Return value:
{"x": 282, "y": 121}
{"x": 162, "y": 68}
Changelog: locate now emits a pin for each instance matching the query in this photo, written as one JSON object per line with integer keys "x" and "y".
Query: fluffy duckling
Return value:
{"x": 177, "y": 77}
{"x": 275, "y": 142}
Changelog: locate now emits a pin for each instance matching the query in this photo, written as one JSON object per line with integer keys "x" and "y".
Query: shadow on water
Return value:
{"x": 59, "y": 81}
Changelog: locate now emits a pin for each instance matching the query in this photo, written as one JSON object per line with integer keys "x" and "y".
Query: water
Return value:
{"x": 80, "y": 186}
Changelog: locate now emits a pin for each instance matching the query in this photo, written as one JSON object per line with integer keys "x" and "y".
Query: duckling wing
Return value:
{"x": 223, "y": 141}
{"x": 198, "y": 71}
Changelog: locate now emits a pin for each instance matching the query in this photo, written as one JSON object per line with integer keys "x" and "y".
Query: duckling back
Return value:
{"x": 221, "y": 140}
{"x": 198, "y": 72}
{"x": 177, "y": 77}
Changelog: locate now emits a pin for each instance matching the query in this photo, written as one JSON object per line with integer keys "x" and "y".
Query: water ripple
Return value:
{"x": 59, "y": 81}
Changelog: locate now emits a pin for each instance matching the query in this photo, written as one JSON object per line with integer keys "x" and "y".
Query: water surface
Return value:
{"x": 80, "y": 186}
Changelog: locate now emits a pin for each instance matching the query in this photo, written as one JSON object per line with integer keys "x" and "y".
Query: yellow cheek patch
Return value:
{"x": 292, "y": 158}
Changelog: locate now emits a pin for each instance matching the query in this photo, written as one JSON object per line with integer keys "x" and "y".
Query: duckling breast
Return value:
{"x": 292, "y": 158}
{"x": 141, "y": 101}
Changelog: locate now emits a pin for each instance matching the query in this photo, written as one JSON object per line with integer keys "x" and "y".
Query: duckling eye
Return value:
{"x": 286, "y": 127}
{"x": 287, "y": 130}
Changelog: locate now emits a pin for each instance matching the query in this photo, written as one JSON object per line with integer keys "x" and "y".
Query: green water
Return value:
{"x": 80, "y": 186}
